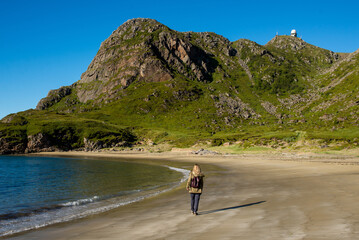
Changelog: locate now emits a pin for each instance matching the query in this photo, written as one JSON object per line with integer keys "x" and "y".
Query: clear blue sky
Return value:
{"x": 48, "y": 44}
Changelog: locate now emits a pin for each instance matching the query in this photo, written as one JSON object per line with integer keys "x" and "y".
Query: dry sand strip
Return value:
{"x": 255, "y": 197}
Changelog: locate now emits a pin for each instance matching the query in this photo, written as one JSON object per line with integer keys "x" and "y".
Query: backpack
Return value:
{"x": 195, "y": 181}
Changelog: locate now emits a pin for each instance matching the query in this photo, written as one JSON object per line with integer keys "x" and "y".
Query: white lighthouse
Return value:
{"x": 293, "y": 33}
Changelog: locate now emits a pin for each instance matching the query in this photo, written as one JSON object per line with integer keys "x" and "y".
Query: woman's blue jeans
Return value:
{"x": 195, "y": 201}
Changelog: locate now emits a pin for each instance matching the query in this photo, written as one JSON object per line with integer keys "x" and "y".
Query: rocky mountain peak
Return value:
{"x": 142, "y": 50}
{"x": 132, "y": 27}
{"x": 287, "y": 43}
{"x": 309, "y": 54}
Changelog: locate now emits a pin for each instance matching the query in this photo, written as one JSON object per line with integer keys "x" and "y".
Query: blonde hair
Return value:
{"x": 196, "y": 169}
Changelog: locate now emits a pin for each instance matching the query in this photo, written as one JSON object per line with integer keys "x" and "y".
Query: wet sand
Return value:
{"x": 251, "y": 196}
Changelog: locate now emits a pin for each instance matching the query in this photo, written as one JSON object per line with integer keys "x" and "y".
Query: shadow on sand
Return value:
{"x": 230, "y": 208}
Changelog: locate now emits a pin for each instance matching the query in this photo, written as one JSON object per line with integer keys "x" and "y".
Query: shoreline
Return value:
{"x": 121, "y": 201}
{"x": 255, "y": 196}
{"x": 71, "y": 210}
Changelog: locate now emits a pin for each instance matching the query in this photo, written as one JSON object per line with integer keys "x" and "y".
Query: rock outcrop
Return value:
{"x": 39, "y": 143}
{"x": 91, "y": 146}
{"x": 14, "y": 119}
{"x": 233, "y": 106}
{"x": 7, "y": 146}
{"x": 53, "y": 97}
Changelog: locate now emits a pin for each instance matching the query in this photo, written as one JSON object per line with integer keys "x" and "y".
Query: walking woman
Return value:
{"x": 195, "y": 187}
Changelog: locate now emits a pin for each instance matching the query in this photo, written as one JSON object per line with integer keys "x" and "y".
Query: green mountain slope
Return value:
{"x": 148, "y": 83}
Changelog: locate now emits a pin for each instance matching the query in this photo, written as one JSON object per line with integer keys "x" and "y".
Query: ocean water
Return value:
{"x": 39, "y": 191}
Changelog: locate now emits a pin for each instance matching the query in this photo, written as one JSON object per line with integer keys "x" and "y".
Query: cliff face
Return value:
{"x": 146, "y": 76}
{"x": 142, "y": 50}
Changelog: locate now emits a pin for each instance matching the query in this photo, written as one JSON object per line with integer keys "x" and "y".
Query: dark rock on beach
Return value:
{"x": 204, "y": 152}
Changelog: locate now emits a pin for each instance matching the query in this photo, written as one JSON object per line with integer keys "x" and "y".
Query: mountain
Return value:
{"x": 151, "y": 84}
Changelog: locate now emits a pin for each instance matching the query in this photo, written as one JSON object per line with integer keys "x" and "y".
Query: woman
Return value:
{"x": 195, "y": 186}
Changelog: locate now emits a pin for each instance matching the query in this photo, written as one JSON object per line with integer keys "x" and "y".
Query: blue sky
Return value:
{"x": 48, "y": 44}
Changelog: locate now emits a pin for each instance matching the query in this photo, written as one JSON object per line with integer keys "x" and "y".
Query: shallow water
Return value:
{"x": 38, "y": 191}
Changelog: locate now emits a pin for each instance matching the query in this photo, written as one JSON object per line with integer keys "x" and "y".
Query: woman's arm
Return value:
{"x": 188, "y": 182}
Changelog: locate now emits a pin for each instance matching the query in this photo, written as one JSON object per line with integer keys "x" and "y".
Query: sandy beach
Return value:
{"x": 247, "y": 196}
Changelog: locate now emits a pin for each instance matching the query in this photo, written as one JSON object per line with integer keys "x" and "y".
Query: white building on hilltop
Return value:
{"x": 293, "y": 33}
